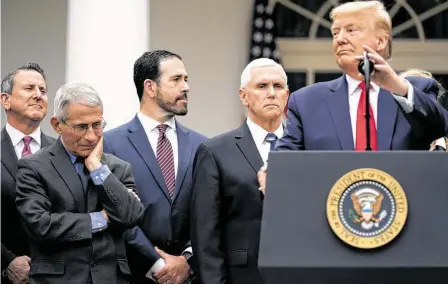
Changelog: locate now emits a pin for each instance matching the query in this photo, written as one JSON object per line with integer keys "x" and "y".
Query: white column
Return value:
{"x": 104, "y": 40}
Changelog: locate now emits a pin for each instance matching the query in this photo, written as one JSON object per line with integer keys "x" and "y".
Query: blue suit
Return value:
{"x": 319, "y": 118}
{"x": 170, "y": 219}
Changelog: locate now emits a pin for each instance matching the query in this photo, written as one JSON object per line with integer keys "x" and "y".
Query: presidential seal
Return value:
{"x": 367, "y": 208}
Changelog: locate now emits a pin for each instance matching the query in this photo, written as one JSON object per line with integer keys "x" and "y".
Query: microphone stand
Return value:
{"x": 365, "y": 67}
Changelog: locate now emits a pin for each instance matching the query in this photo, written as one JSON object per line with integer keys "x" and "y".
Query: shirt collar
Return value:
{"x": 16, "y": 136}
{"x": 353, "y": 85}
{"x": 259, "y": 133}
{"x": 150, "y": 124}
{"x": 72, "y": 156}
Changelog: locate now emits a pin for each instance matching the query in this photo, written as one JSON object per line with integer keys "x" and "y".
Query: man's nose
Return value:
{"x": 271, "y": 91}
{"x": 90, "y": 134}
{"x": 186, "y": 87}
{"x": 39, "y": 94}
{"x": 341, "y": 37}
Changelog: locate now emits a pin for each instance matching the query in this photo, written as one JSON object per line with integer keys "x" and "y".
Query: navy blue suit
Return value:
{"x": 319, "y": 118}
{"x": 170, "y": 220}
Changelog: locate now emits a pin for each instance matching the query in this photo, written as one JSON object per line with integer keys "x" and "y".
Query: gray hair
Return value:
{"x": 257, "y": 63}
{"x": 8, "y": 80}
{"x": 73, "y": 93}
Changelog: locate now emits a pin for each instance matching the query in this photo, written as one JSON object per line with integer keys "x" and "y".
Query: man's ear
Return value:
{"x": 6, "y": 103}
{"x": 150, "y": 87}
{"x": 243, "y": 96}
{"x": 56, "y": 125}
{"x": 381, "y": 44}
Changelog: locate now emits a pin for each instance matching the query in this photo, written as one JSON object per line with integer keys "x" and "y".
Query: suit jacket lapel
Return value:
{"x": 9, "y": 157}
{"x": 62, "y": 164}
{"x": 337, "y": 103}
{"x": 45, "y": 140}
{"x": 184, "y": 156}
{"x": 139, "y": 139}
{"x": 386, "y": 117}
{"x": 246, "y": 144}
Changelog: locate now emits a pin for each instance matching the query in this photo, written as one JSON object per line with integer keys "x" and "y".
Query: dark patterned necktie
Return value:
{"x": 165, "y": 158}
{"x": 271, "y": 138}
{"x": 82, "y": 172}
{"x": 26, "y": 146}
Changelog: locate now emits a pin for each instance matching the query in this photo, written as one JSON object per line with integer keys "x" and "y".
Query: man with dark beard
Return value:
{"x": 161, "y": 153}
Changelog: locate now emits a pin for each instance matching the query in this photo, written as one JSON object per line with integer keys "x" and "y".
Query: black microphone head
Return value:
{"x": 361, "y": 67}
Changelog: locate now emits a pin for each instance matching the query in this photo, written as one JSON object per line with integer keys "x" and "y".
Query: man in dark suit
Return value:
{"x": 161, "y": 152}
{"x": 24, "y": 98}
{"x": 74, "y": 201}
{"x": 226, "y": 206}
{"x": 330, "y": 115}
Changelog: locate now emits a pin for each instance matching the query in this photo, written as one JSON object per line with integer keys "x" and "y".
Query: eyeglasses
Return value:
{"x": 81, "y": 129}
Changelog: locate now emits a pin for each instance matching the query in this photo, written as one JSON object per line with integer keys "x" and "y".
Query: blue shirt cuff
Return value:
{"x": 99, "y": 222}
{"x": 99, "y": 175}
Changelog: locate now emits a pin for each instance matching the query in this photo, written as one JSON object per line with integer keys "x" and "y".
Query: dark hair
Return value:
{"x": 8, "y": 80}
{"x": 148, "y": 67}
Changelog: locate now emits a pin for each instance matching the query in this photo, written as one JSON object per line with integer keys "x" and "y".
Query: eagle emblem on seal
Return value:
{"x": 367, "y": 207}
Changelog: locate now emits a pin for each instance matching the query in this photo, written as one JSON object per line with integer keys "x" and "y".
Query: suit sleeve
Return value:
{"x": 206, "y": 223}
{"x": 106, "y": 147}
{"x": 34, "y": 207}
{"x": 139, "y": 240}
{"x": 293, "y": 133}
{"x": 121, "y": 206}
{"x": 136, "y": 237}
{"x": 7, "y": 257}
{"x": 428, "y": 112}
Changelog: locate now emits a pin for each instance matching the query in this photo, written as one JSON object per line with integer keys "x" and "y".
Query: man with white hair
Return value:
{"x": 75, "y": 201}
{"x": 226, "y": 206}
{"x": 331, "y": 115}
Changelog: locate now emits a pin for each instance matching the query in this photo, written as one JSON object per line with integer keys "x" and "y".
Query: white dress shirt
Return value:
{"x": 17, "y": 140}
{"x": 354, "y": 94}
{"x": 259, "y": 135}
{"x": 150, "y": 126}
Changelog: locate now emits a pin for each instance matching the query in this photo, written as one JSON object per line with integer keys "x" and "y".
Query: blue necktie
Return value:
{"x": 271, "y": 138}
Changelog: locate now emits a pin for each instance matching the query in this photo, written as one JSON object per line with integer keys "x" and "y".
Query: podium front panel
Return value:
{"x": 298, "y": 245}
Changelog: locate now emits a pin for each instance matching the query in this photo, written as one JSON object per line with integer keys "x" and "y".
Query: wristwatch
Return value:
{"x": 188, "y": 256}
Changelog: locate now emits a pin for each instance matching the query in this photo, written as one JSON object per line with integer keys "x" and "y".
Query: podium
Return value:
{"x": 326, "y": 222}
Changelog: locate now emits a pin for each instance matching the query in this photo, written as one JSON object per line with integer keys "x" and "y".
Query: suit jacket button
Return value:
{"x": 92, "y": 264}
{"x": 169, "y": 242}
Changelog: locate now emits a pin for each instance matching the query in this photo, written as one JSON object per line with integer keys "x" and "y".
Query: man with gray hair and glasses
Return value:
{"x": 76, "y": 201}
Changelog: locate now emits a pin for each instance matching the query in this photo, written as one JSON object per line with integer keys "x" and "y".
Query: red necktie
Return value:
{"x": 361, "y": 139}
{"x": 165, "y": 158}
{"x": 26, "y": 146}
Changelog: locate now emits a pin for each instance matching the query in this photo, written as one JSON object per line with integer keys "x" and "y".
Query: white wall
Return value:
{"x": 35, "y": 31}
{"x": 213, "y": 39}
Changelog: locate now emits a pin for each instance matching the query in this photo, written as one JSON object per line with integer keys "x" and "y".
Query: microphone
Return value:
{"x": 363, "y": 63}
{"x": 365, "y": 67}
